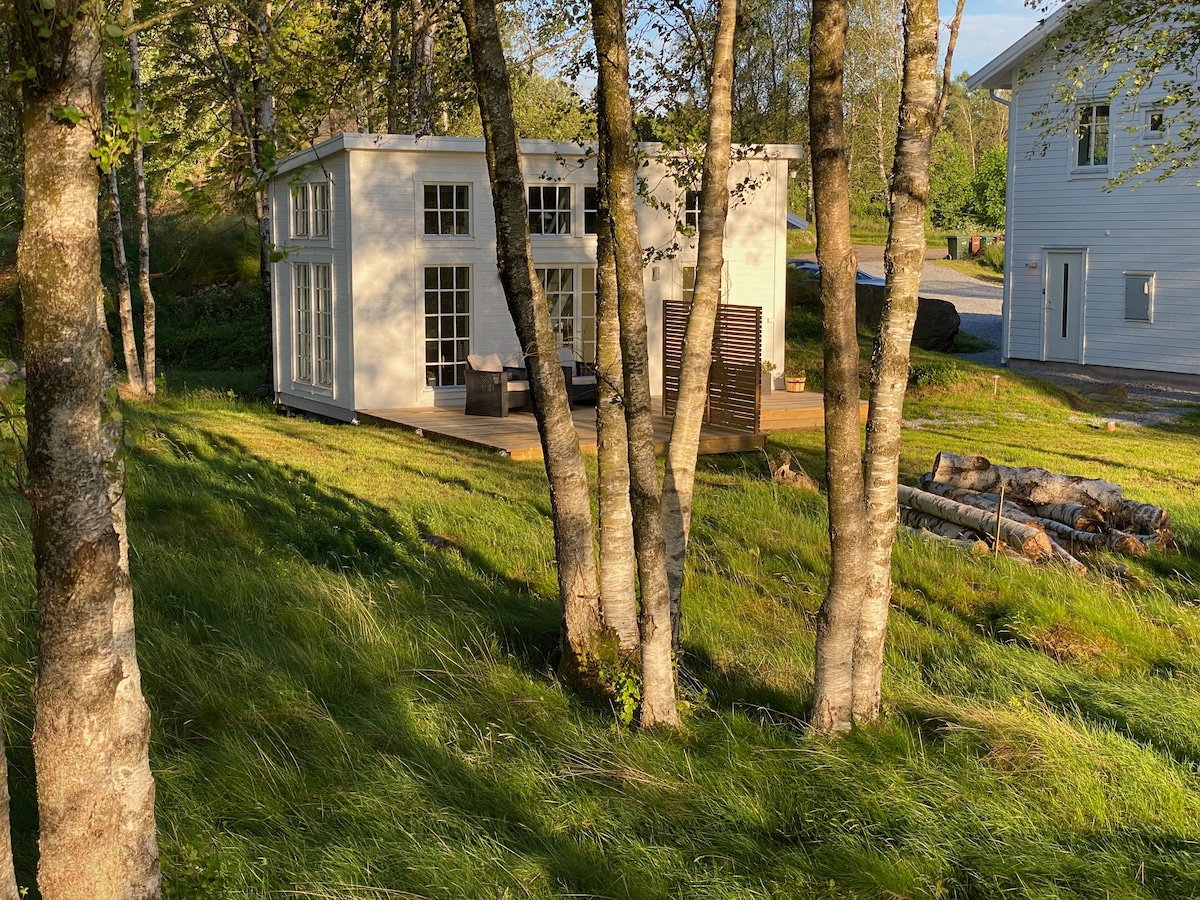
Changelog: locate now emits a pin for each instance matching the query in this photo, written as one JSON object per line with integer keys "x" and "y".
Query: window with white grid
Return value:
{"x": 447, "y": 209}
{"x": 303, "y": 319}
{"x": 323, "y": 325}
{"x": 447, "y": 325}
{"x": 550, "y": 209}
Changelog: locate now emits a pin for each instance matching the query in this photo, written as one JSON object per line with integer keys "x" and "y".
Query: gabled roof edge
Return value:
{"x": 999, "y": 73}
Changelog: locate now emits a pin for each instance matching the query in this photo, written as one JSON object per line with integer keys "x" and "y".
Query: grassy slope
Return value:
{"x": 347, "y": 638}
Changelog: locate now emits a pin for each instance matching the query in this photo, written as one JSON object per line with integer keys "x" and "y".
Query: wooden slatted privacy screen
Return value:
{"x": 734, "y": 380}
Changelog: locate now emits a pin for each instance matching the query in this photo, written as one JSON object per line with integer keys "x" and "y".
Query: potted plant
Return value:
{"x": 768, "y": 376}
{"x": 795, "y": 383}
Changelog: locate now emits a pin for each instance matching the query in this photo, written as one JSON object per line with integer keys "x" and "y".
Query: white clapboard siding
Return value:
{"x": 379, "y": 251}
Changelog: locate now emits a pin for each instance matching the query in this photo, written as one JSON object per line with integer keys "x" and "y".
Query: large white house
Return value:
{"x": 1102, "y": 278}
{"x": 388, "y": 278}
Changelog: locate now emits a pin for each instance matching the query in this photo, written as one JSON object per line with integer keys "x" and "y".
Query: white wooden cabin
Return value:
{"x": 1093, "y": 277}
{"x": 388, "y": 277}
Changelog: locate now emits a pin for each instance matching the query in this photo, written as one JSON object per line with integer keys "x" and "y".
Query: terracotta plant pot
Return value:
{"x": 795, "y": 384}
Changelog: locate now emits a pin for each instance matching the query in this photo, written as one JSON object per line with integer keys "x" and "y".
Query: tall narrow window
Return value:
{"x": 559, "y": 285}
{"x": 587, "y": 315}
{"x": 303, "y": 317}
{"x": 320, "y": 208}
{"x": 1091, "y": 137}
{"x": 323, "y": 325}
{"x": 691, "y": 212}
{"x": 591, "y": 209}
{"x": 447, "y": 209}
{"x": 447, "y": 325}
{"x": 689, "y": 283}
{"x": 300, "y": 211}
{"x": 550, "y": 209}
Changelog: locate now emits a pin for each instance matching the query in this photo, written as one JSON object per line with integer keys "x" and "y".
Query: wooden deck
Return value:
{"x": 516, "y": 435}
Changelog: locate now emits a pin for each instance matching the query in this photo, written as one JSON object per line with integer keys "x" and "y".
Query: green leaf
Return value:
{"x": 113, "y": 31}
{"x": 72, "y": 114}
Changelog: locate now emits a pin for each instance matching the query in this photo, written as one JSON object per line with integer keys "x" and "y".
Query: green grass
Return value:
{"x": 975, "y": 269}
{"x": 345, "y": 707}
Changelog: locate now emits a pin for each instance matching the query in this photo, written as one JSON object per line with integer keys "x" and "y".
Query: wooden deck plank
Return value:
{"x": 517, "y": 433}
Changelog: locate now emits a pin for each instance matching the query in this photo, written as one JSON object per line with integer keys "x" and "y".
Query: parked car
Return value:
{"x": 809, "y": 269}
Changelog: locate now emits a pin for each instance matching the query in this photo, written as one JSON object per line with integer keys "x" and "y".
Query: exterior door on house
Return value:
{"x": 1064, "y": 305}
{"x": 571, "y": 296}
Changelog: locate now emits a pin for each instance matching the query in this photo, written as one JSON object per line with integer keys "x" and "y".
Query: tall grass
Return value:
{"x": 348, "y": 641}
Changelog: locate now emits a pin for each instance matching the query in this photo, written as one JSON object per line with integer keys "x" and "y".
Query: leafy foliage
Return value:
{"x": 988, "y": 188}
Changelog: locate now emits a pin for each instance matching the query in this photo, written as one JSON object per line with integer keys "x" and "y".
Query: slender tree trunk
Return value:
{"x": 680, "y": 478}
{"x": 618, "y": 563}
{"x": 619, "y": 181}
{"x": 920, "y": 114}
{"x": 262, "y": 147}
{"x": 149, "y": 344}
{"x": 420, "y": 73}
{"x": 837, "y": 621}
{"x": 116, "y": 235}
{"x": 76, "y": 552}
{"x": 8, "y": 875}
{"x": 395, "y": 68}
{"x": 569, "y": 493}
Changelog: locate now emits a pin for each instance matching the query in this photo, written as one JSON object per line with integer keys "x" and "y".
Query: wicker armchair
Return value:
{"x": 494, "y": 389}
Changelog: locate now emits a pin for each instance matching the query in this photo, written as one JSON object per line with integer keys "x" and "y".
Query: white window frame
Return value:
{"x": 434, "y": 368}
{"x": 438, "y": 210}
{"x": 1092, "y": 129}
{"x": 558, "y": 217}
{"x": 302, "y": 323}
{"x": 592, "y": 208}
{"x": 579, "y": 330}
{"x": 691, "y": 210}
{"x": 1149, "y": 132}
{"x": 312, "y": 209}
{"x": 313, "y": 325}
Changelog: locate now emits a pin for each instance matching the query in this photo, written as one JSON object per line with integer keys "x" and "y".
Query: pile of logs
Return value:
{"x": 1031, "y": 512}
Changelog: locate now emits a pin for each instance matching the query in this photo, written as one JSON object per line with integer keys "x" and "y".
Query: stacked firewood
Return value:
{"x": 1031, "y": 512}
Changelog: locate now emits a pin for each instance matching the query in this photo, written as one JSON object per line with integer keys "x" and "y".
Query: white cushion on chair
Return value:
{"x": 518, "y": 385}
{"x": 489, "y": 363}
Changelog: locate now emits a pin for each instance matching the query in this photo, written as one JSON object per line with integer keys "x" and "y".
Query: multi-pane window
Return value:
{"x": 1156, "y": 123}
{"x": 691, "y": 210}
{"x": 323, "y": 325}
{"x": 550, "y": 209}
{"x": 591, "y": 208}
{"x": 303, "y": 313}
{"x": 320, "y": 208}
{"x": 559, "y": 285}
{"x": 447, "y": 209}
{"x": 447, "y": 325}
{"x": 300, "y": 211}
{"x": 587, "y": 316}
{"x": 1091, "y": 137}
{"x": 312, "y": 294}
{"x": 689, "y": 283}
{"x": 312, "y": 205}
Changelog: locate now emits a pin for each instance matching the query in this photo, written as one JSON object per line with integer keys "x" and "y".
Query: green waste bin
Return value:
{"x": 958, "y": 245}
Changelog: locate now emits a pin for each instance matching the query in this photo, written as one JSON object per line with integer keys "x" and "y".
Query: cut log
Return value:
{"x": 1073, "y": 538}
{"x": 969, "y": 546}
{"x": 919, "y": 521}
{"x": 1029, "y": 541}
{"x": 1039, "y": 487}
{"x": 1081, "y": 518}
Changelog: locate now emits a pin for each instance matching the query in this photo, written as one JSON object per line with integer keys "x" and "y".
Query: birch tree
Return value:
{"x": 852, "y": 622}
{"x": 569, "y": 492}
{"x": 78, "y": 743}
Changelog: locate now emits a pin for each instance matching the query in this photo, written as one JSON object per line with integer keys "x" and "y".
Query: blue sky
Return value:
{"x": 988, "y": 28}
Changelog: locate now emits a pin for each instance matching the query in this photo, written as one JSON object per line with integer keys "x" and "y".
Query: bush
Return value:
{"x": 939, "y": 373}
{"x": 992, "y": 257}
{"x": 218, "y": 327}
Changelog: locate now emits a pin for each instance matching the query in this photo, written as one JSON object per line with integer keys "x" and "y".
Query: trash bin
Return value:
{"x": 975, "y": 244}
{"x": 986, "y": 241}
{"x": 956, "y": 246}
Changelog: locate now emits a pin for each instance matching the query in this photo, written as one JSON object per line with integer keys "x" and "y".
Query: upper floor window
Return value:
{"x": 312, "y": 209}
{"x": 1156, "y": 124}
{"x": 550, "y": 209}
{"x": 448, "y": 209}
{"x": 591, "y": 208}
{"x": 1091, "y": 137}
{"x": 691, "y": 210}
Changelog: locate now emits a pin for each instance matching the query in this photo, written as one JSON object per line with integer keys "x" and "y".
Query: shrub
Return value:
{"x": 939, "y": 373}
{"x": 992, "y": 257}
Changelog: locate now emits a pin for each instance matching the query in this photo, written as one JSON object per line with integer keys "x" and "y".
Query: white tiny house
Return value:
{"x": 1094, "y": 275}
{"x": 387, "y": 278}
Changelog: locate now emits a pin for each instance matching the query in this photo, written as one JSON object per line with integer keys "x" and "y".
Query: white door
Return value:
{"x": 1064, "y": 306}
